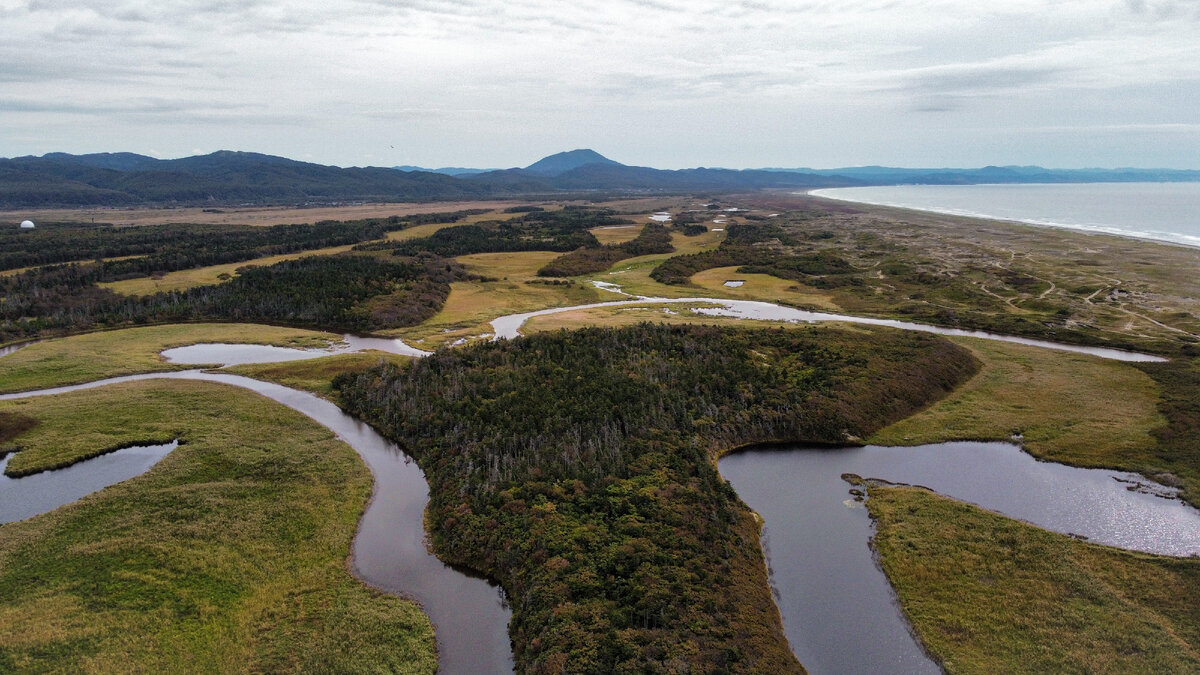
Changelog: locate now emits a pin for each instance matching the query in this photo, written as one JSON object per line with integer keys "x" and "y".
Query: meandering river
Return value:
{"x": 389, "y": 551}
{"x": 845, "y": 621}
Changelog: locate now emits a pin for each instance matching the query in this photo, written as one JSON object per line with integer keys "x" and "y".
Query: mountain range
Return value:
{"x": 227, "y": 177}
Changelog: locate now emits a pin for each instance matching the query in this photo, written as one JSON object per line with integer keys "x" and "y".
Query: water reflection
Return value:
{"x": 38, "y": 493}
{"x": 839, "y": 611}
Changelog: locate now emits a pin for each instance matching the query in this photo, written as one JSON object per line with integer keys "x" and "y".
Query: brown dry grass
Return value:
{"x": 761, "y": 287}
{"x": 204, "y": 276}
{"x": 268, "y": 215}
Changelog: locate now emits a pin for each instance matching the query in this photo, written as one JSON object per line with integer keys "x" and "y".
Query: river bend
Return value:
{"x": 389, "y": 551}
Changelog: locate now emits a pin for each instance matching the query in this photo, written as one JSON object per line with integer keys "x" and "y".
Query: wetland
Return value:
{"x": 562, "y": 465}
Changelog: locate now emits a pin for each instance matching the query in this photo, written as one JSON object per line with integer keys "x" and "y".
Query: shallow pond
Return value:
{"x": 839, "y": 612}
{"x": 389, "y": 550}
{"x": 28, "y": 496}
{"x": 227, "y": 354}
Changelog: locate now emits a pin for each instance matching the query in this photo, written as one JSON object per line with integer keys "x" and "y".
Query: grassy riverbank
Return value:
{"x": 315, "y": 375}
{"x": 228, "y": 556}
{"x": 1066, "y": 407}
{"x": 578, "y": 469}
{"x": 94, "y": 356}
{"x": 988, "y": 594}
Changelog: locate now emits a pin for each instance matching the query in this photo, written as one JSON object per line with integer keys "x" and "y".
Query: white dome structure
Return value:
{"x": 27, "y": 225}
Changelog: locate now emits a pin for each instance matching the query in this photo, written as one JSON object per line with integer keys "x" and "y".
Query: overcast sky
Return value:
{"x": 666, "y": 83}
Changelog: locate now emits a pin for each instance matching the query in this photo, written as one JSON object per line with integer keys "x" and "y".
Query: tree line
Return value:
{"x": 654, "y": 238}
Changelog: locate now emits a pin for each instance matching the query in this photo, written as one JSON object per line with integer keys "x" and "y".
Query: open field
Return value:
{"x": 616, "y": 234}
{"x": 628, "y": 315}
{"x": 204, "y": 276}
{"x": 472, "y": 304}
{"x": 94, "y": 356}
{"x": 418, "y": 231}
{"x": 270, "y": 215}
{"x": 314, "y": 375}
{"x": 633, "y": 274}
{"x": 988, "y": 594}
{"x": 1066, "y": 407}
{"x": 762, "y": 287}
{"x": 227, "y": 556}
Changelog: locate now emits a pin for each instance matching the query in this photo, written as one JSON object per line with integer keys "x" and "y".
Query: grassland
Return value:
{"x": 616, "y": 234}
{"x": 471, "y": 305}
{"x": 314, "y": 375}
{"x": 633, "y": 274}
{"x": 1067, "y": 407}
{"x": 762, "y": 287}
{"x": 628, "y": 315}
{"x": 93, "y": 356}
{"x": 204, "y": 276}
{"x": 987, "y": 594}
{"x": 227, "y": 556}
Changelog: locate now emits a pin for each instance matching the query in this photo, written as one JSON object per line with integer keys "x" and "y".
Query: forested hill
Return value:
{"x": 223, "y": 178}
{"x": 125, "y": 179}
{"x": 227, "y": 178}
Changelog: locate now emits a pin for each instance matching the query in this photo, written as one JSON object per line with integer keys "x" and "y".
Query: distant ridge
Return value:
{"x": 445, "y": 170}
{"x": 230, "y": 177}
{"x": 562, "y": 162}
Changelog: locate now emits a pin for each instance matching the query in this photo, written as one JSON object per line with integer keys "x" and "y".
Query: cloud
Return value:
{"x": 454, "y": 75}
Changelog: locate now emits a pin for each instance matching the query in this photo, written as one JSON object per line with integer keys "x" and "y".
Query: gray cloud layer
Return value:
{"x": 662, "y": 82}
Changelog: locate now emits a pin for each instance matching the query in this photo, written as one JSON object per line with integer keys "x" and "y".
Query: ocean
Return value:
{"x": 1158, "y": 211}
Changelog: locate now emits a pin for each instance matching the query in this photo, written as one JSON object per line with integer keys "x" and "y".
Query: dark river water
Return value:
{"x": 27, "y": 496}
{"x": 839, "y": 612}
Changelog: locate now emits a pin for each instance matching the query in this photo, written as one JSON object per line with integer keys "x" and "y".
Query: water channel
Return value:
{"x": 27, "y": 496}
{"x": 839, "y": 612}
{"x": 509, "y": 326}
{"x": 240, "y": 354}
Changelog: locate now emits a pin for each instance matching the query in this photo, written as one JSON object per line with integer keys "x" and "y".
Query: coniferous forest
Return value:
{"x": 578, "y": 469}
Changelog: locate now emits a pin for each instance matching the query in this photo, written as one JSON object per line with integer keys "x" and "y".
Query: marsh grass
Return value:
{"x": 228, "y": 556}
{"x": 93, "y": 356}
{"x": 988, "y": 594}
{"x": 762, "y": 287}
{"x": 1070, "y": 408}
{"x": 315, "y": 375}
